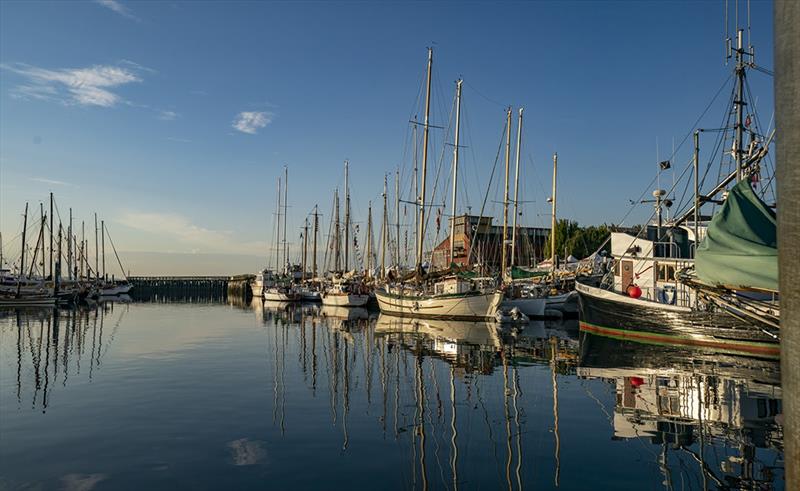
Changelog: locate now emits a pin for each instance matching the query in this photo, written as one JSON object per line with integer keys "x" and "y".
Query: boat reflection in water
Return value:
{"x": 688, "y": 401}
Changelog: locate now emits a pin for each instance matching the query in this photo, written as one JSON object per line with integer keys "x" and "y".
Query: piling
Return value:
{"x": 787, "y": 100}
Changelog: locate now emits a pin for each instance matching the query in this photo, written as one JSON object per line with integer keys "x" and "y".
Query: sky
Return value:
{"x": 174, "y": 120}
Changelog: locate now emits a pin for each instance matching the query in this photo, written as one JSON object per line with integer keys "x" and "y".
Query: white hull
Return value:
{"x": 473, "y": 306}
{"x": 345, "y": 299}
{"x": 532, "y": 307}
{"x": 274, "y": 296}
{"x": 564, "y": 302}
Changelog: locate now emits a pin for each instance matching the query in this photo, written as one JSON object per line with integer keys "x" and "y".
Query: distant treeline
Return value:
{"x": 580, "y": 241}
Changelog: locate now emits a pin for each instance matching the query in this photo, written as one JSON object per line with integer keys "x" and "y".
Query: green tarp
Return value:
{"x": 740, "y": 247}
{"x": 521, "y": 273}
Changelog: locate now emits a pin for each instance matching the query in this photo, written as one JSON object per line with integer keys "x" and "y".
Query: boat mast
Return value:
{"x": 416, "y": 189}
{"x": 278, "y": 229}
{"x": 421, "y": 226}
{"x": 96, "y": 250}
{"x": 57, "y": 276}
{"x": 69, "y": 246}
{"x": 397, "y": 214}
{"x": 83, "y": 248}
{"x": 384, "y": 231}
{"x": 739, "y": 102}
{"x": 305, "y": 249}
{"x": 455, "y": 171}
{"x": 368, "y": 259}
{"x": 553, "y": 218}
{"x": 103, "y": 242}
{"x": 51, "y": 237}
{"x": 696, "y": 162}
{"x": 285, "y": 212}
{"x": 316, "y": 232}
{"x": 516, "y": 191}
{"x": 346, "y": 214}
{"x": 22, "y": 255}
{"x": 336, "y": 249}
{"x": 504, "y": 240}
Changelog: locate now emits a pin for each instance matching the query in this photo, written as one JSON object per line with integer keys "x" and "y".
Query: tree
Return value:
{"x": 579, "y": 241}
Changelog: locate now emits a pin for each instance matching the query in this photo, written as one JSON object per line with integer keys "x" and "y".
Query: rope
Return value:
{"x": 108, "y": 234}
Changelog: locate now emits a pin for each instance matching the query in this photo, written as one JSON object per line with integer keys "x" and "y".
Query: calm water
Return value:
{"x": 215, "y": 396}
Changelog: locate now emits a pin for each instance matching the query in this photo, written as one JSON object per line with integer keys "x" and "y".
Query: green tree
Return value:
{"x": 579, "y": 241}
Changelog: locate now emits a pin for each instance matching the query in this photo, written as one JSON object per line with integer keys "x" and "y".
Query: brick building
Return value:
{"x": 486, "y": 237}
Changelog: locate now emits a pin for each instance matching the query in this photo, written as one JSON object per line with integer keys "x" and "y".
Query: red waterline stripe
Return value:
{"x": 744, "y": 346}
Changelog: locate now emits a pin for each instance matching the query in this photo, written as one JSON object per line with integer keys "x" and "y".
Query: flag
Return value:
{"x": 664, "y": 165}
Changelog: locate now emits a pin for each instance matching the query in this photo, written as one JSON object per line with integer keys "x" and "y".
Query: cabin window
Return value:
{"x": 439, "y": 289}
{"x": 666, "y": 272}
{"x": 616, "y": 268}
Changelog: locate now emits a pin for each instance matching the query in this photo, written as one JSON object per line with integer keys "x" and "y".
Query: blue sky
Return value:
{"x": 173, "y": 120}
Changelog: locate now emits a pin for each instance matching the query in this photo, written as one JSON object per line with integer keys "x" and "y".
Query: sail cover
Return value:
{"x": 740, "y": 247}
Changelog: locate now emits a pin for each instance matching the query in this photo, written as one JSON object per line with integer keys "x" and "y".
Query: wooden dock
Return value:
{"x": 184, "y": 286}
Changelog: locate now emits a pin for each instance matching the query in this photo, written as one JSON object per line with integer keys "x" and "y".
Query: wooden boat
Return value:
{"x": 452, "y": 298}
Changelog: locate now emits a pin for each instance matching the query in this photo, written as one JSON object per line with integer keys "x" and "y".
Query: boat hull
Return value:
{"x": 564, "y": 302}
{"x": 279, "y": 296}
{"x": 344, "y": 300}
{"x": 473, "y": 306}
{"x": 532, "y": 307}
{"x": 28, "y": 302}
{"x": 617, "y": 316}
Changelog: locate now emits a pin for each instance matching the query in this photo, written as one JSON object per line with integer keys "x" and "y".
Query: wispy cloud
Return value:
{"x": 118, "y": 7}
{"x": 52, "y": 182}
{"x": 91, "y": 86}
{"x": 195, "y": 237}
{"x": 167, "y": 115}
{"x": 251, "y": 121}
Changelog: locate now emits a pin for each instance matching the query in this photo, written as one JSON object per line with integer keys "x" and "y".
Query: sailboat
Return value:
{"x": 713, "y": 286}
{"x": 281, "y": 289}
{"x": 445, "y": 294}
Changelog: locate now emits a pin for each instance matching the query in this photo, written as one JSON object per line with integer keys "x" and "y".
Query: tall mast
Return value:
{"x": 384, "y": 231}
{"x": 51, "y": 237}
{"x": 83, "y": 248}
{"x": 553, "y": 219}
{"x": 278, "y": 229}
{"x": 397, "y": 214}
{"x": 455, "y": 172}
{"x": 739, "y": 102}
{"x": 103, "y": 242}
{"x": 69, "y": 246}
{"x": 346, "y": 216}
{"x": 57, "y": 276}
{"x": 96, "y": 250}
{"x": 368, "y": 259}
{"x": 305, "y": 249}
{"x": 421, "y": 226}
{"x": 22, "y": 255}
{"x": 337, "y": 260}
{"x": 516, "y": 191}
{"x": 696, "y": 162}
{"x": 503, "y": 243}
{"x": 416, "y": 187}
{"x": 285, "y": 212}
{"x": 316, "y": 231}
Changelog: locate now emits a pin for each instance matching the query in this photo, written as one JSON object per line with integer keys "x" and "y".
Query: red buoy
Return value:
{"x": 636, "y": 381}
{"x": 633, "y": 291}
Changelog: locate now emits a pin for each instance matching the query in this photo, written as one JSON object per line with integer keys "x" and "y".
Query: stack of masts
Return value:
{"x": 46, "y": 279}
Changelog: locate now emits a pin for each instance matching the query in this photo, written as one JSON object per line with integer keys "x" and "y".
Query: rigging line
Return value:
{"x": 488, "y": 187}
{"x": 633, "y": 206}
{"x": 484, "y": 96}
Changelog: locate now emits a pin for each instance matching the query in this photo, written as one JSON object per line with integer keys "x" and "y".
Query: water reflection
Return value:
{"x": 691, "y": 405}
{"x": 54, "y": 346}
{"x": 419, "y": 404}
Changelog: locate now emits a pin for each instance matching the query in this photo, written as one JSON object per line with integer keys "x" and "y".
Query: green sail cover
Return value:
{"x": 740, "y": 247}
{"x": 521, "y": 273}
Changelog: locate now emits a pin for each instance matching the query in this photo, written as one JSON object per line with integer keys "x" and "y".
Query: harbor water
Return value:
{"x": 216, "y": 394}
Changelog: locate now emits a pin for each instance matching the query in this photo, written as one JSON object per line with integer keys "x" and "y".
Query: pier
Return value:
{"x": 188, "y": 286}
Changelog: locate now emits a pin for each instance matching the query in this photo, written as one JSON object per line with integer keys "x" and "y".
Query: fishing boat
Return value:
{"x": 711, "y": 285}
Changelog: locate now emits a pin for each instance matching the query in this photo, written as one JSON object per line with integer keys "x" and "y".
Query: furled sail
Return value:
{"x": 740, "y": 247}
